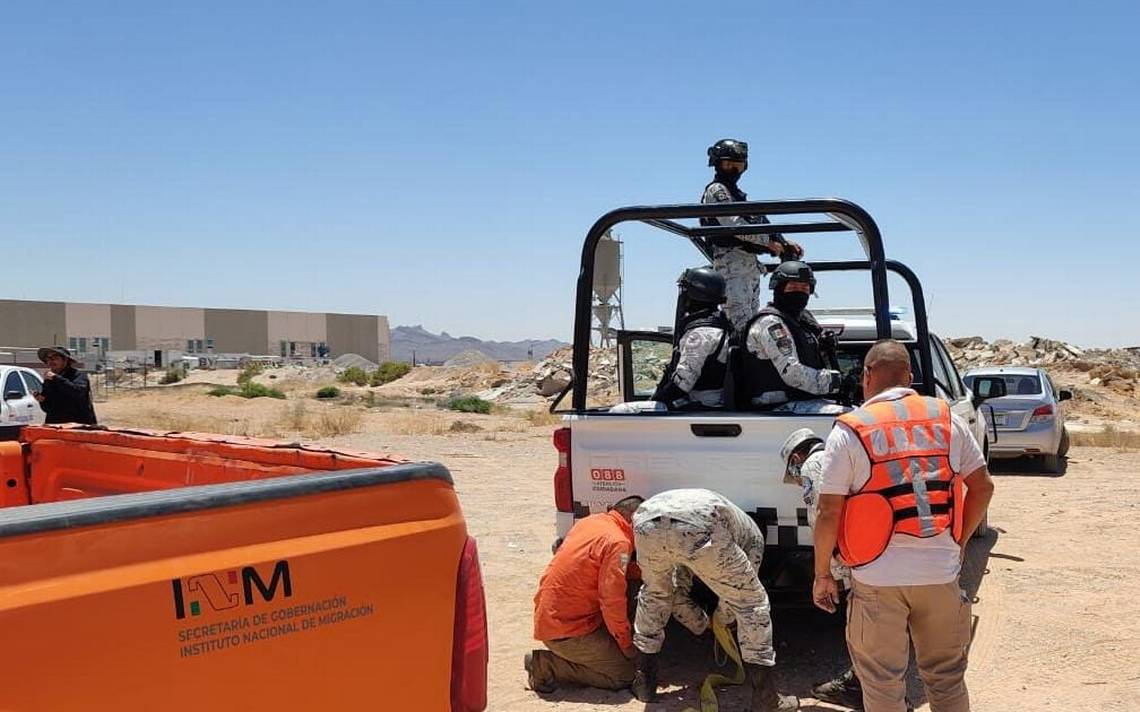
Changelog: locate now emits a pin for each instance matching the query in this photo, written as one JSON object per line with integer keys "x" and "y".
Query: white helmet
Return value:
{"x": 794, "y": 442}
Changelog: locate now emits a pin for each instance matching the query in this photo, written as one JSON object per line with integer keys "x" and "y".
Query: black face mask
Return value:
{"x": 728, "y": 175}
{"x": 791, "y": 302}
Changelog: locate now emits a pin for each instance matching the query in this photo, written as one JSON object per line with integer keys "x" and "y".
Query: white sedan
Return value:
{"x": 19, "y": 406}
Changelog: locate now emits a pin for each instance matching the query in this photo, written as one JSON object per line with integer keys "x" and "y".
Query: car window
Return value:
{"x": 13, "y": 383}
{"x": 35, "y": 385}
{"x": 1015, "y": 384}
{"x": 954, "y": 380}
{"x": 941, "y": 378}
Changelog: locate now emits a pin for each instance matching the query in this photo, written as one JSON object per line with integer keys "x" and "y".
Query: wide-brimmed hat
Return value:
{"x": 46, "y": 351}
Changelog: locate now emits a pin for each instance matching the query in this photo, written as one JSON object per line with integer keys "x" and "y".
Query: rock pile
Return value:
{"x": 551, "y": 376}
{"x": 1118, "y": 369}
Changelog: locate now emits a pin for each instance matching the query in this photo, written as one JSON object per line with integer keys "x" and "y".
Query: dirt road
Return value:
{"x": 1057, "y": 622}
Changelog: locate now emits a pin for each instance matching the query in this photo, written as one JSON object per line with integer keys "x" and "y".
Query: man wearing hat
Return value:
{"x": 66, "y": 397}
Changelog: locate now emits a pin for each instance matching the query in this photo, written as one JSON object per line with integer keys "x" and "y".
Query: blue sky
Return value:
{"x": 441, "y": 162}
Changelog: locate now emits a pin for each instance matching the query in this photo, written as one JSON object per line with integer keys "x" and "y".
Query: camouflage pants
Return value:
{"x": 742, "y": 277}
{"x": 670, "y": 553}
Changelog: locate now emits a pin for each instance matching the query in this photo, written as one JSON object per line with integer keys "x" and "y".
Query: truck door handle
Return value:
{"x": 715, "y": 430}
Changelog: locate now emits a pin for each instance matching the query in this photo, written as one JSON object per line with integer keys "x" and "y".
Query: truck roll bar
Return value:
{"x": 847, "y": 217}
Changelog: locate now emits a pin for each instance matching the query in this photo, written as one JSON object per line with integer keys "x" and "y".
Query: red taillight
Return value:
{"x": 563, "y": 486}
{"x": 469, "y": 649}
{"x": 1042, "y": 413}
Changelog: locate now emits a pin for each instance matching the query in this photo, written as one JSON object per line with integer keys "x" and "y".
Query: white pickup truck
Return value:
{"x": 606, "y": 455}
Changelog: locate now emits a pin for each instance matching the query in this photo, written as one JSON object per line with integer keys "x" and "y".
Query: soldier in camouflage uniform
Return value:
{"x": 714, "y": 539}
{"x": 735, "y": 256}
{"x": 803, "y": 455}
{"x": 694, "y": 379}
{"x": 785, "y": 349}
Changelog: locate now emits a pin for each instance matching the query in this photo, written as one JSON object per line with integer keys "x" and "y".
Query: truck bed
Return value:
{"x": 735, "y": 454}
{"x": 319, "y": 590}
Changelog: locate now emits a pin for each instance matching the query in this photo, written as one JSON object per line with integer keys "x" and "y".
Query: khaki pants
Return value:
{"x": 937, "y": 619}
{"x": 592, "y": 660}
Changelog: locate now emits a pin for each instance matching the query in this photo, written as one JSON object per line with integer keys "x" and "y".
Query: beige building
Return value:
{"x": 102, "y": 328}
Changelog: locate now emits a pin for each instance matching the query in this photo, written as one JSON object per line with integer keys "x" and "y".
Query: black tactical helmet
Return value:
{"x": 791, "y": 271}
{"x": 703, "y": 285}
{"x": 728, "y": 149}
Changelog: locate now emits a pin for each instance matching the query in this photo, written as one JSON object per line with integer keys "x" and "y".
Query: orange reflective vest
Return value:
{"x": 912, "y": 489}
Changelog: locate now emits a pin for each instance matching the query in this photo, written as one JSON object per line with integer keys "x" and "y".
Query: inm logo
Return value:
{"x": 225, "y": 590}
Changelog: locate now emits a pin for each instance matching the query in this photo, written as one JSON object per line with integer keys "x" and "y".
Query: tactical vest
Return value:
{"x": 729, "y": 242}
{"x": 713, "y": 370}
{"x": 759, "y": 375}
{"x": 912, "y": 489}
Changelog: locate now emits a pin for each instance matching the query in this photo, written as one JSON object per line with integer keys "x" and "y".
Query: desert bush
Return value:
{"x": 249, "y": 389}
{"x": 248, "y": 372}
{"x": 328, "y": 392}
{"x": 461, "y": 426}
{"x": 355, "y": 375}
{"x": 389, "y": 371}
{"x": 172, "y": 375}
{"x": 469, "y": 404}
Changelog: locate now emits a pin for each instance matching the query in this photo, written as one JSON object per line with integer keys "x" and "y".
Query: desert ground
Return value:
{"x": 1056, "y": 582}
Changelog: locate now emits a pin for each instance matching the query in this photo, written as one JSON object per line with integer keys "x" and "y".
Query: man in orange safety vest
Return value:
{"x": 904, "y": 487}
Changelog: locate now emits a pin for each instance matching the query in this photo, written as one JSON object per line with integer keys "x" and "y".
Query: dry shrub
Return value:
{"x": 181, "y": 423}
{"x": 329, "y": 423}
{"x": 542, "y": 418}
{"x": 434, "y": 423}
{"x": 294, "y": 416}
{"x": 460, "y": 426}
{"x": 1109, "y": 436}
{"x": 418, "y": 423}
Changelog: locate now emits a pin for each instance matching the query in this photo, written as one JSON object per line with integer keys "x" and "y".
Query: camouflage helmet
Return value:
{"x": 796, "y": 441}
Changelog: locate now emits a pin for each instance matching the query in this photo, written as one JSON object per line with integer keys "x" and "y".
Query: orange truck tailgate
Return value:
{"x": 306, "y": 592}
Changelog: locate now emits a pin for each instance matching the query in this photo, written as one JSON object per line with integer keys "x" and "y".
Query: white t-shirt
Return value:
{"x": 908, "y": 560}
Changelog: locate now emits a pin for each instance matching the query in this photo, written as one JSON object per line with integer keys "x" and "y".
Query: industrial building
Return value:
{"x": 101, "y": 331}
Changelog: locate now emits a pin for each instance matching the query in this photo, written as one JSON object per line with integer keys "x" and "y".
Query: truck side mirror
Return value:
{"x": 13, "y": 395}
{"x": 1065, "y": 395}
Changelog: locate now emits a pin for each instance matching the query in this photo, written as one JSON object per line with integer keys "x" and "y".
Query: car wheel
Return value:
{"x": 1051, "y": 463}
{"x": 1063, "y": 446}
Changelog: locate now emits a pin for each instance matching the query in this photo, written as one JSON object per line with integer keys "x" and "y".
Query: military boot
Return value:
{"x": 764, "y": 695}
{"x": 644, "y": 685}
{"x": 844, "y": 690}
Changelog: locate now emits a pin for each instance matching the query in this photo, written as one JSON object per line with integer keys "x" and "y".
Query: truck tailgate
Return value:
{"x": 326, "y": 591}
{"x": 614, "y": 456}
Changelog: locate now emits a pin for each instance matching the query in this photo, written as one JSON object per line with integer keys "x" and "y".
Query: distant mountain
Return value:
{"x": 437, "y": 348}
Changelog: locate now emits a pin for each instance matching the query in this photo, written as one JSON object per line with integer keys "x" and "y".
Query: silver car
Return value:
{"x": 1029, "y": 418}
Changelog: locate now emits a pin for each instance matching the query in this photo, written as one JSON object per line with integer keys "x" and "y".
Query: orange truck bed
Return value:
{"x": 234, "y": 574}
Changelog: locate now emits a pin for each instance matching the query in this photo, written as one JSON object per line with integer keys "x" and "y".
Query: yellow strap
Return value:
{"x": 715, "y": 680}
